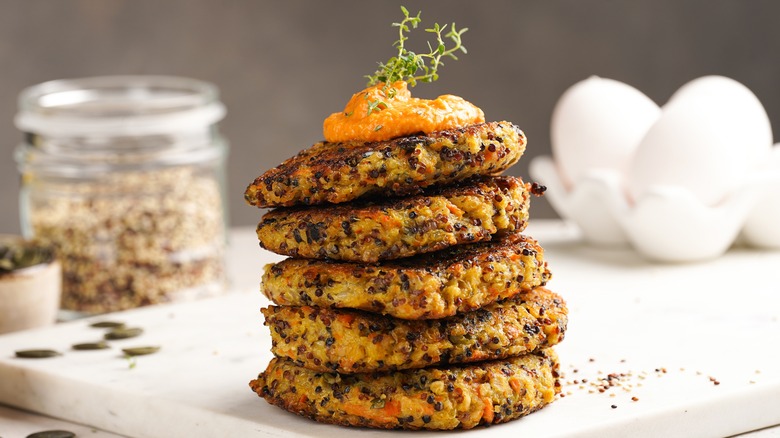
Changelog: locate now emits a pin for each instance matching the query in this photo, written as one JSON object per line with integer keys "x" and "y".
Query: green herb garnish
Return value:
{"x": 131, "y": 361}
{"x": 413, "y": 67}
{"x": 373, "y": 105}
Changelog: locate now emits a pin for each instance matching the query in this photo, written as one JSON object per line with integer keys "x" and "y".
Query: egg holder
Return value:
{"x": 667, "y": 223}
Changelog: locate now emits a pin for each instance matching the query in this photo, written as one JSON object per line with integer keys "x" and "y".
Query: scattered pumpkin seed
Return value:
{"x": 378, "y": 403}
{"x": 20, "y": 255}
{"x": 52, "y": 434}
{"x": 123, "y": 333}
{"x": 99, "y": 345}
{"x": 107, "y": 324}
{"x": 36, "y": 354}
{"x": 140, "y": 351}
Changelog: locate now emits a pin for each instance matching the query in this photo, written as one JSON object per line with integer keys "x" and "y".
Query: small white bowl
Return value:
{"x": 29, "y": 297}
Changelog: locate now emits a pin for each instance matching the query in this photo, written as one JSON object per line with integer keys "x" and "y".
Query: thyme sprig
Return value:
{"x": 415, "y": 67}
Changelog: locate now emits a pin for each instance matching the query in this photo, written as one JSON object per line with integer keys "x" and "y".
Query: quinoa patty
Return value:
{"x": 434, "y": 285}
{"x": 341, "y": 172}
{"x": 351, "y": 341}
{"x": 458, "y": 397}
{"x": 370, "y": 231}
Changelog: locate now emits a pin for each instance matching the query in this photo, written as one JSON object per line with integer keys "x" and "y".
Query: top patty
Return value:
{"x": 370, "y": 231}
{"x": 341, "y": 172}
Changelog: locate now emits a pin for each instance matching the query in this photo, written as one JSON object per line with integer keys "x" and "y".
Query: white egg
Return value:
{"x": 711, "y": 132}
{"x": 597, "y": 124}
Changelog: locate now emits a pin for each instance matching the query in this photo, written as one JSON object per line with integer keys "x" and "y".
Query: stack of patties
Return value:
{"x": 411, "y": 298}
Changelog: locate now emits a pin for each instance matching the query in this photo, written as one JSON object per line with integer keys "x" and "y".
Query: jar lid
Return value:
{"x": 118, "y": 106}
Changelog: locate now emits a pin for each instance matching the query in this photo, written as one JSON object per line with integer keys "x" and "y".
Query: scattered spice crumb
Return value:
{"x": 607, "y": 382}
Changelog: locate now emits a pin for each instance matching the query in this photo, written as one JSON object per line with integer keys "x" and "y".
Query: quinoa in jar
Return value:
{"x": 124, "y": 177}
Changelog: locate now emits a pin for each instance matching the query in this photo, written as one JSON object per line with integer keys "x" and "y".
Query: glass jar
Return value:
{"x": 124, "y": 177}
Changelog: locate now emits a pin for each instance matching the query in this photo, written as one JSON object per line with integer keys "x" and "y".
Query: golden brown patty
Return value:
{"x": 434, "y": 285}
{"x": 351, "y": 341}
{"x": 369, "y": 231}
{"x": 341, "y": 172}
{"x": 459, "y": 397}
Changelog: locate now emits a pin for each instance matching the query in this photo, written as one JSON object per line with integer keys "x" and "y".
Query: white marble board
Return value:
{"x": 701, "y": 323}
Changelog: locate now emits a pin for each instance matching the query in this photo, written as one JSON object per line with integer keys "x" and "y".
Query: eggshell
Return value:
{"x": 597, "y": 124}
{"x": 710, "y": 134}
{"x": 762, "y": 227}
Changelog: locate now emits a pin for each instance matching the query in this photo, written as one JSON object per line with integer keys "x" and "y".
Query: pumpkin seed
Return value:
{"x": 52, "y": 434}
{"x": 36, "y": 354}
{"x": 107, "y": 324}
{"x": 140, "y": 351}
{"x": 123, "y": 333}
{"x": 100, "y": 345}
{"x": 20, "y": 255}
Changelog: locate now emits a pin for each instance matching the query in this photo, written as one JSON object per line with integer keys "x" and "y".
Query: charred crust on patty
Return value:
{"x": 436, "y": 398}
{"x": 351, "y": 341}
{"x": 342, "y": 172}
{"x": 458, "y": 279}
{"x": 385, "y": 229}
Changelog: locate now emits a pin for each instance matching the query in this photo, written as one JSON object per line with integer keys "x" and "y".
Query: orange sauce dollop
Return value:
{"x": 397, "y": 116}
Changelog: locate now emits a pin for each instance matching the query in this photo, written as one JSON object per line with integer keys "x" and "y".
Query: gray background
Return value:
{"x": 283, "y": 66}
